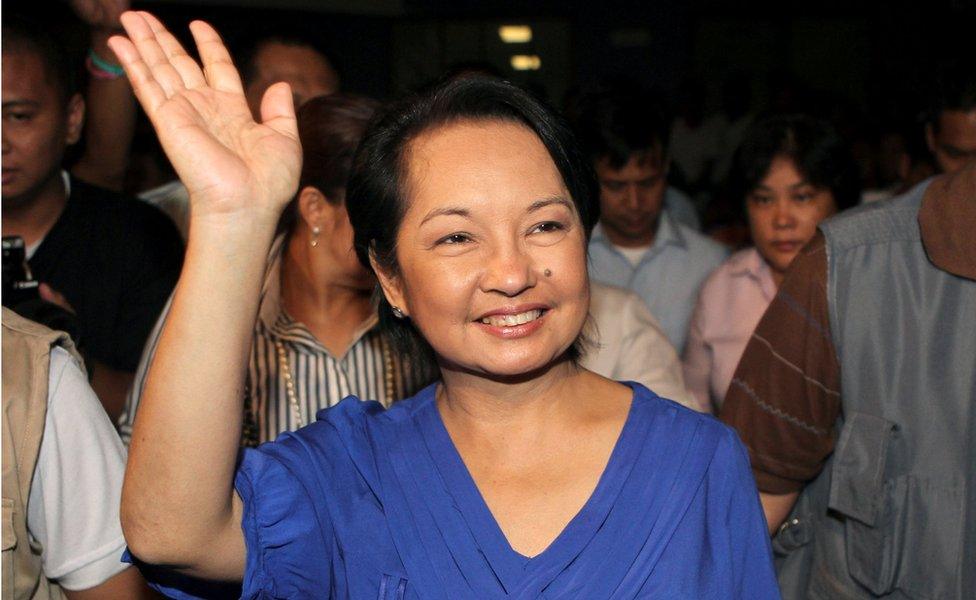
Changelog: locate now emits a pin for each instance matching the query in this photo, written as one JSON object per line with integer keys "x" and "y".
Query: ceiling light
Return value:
{"x": 526, "y": 62}
{"x": 515, "y": 34}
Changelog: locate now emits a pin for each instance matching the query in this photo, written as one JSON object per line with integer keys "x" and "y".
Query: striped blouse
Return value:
{"x": 320, "y": 380}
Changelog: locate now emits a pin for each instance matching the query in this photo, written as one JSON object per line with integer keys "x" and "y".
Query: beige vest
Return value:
{"x": 26, "y": 358}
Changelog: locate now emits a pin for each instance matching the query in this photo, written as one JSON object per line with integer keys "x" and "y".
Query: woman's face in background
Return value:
{"x": 491, "y": 250}
{"x": 784, "y": 211}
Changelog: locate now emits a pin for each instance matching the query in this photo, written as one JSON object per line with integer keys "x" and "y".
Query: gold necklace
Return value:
{"x": 388, "y": 379}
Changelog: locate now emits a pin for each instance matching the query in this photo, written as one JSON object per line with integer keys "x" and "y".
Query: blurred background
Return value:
{"x": 866, "y": 66}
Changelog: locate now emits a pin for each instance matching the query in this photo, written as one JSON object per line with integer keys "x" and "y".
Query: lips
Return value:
{"x": 9, "y": 174}
{"x": 513, "y": 322}
{"x": 787, "y": 246}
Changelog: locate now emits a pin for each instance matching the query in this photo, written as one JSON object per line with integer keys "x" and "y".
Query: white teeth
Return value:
{"x": 512, "y": 320}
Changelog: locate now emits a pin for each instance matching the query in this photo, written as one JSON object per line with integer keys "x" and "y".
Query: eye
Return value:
{"x": 648, "y": 183}
{"x": 760, "y": 199}
{"x": 454, "y": 239}
{"x": 613, "y": 186}
{"x": 20, "y": 117}
{"x": 548, "y": 227}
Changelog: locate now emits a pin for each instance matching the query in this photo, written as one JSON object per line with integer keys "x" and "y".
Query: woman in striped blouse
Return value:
{"x": 316, "y": 338}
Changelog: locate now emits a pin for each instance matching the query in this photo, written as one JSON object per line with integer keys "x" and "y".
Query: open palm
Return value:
{"x": 229, "y": 163}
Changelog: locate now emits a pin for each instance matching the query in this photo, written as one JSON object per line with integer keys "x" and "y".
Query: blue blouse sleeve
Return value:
{"x": 289, "y": 542}
{"x": 288, "y": 551}
{"x": 753, "y": 575}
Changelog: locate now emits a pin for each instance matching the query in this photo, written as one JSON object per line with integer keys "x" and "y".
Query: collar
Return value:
{"x": 946, "y": 220}
{"x": 668, "y": 232}
{"x": 749, "y": 263}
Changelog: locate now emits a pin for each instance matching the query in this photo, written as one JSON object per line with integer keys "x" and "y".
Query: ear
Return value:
{"x": 311, "y": 206}
{"x": 75, "y": 115}
{"x": 391, "y": 284}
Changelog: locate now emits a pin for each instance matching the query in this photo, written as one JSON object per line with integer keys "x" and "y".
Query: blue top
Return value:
{"x": 366, "y": 503}
{"x": 667, "y": 277}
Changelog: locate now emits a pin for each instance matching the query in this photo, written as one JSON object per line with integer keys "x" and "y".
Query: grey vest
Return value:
{"x": 892, "y": 514}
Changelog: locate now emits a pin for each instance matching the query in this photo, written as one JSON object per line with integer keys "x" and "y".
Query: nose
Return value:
{"x": 783, "y": 217}
{"x": 633, "y": 197}
{"x": 508, "y": 271}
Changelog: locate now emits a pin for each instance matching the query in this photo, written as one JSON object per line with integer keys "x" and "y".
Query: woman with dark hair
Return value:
{"x": 316, "y": 339}
{"x": 791, "y": 172}
{"x": 518, "y": 474}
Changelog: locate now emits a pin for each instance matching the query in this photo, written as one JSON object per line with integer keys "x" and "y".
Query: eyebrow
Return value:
{"x": 16, "y": 103}
{"x": 446, "y": 211}
{"x": 540, "y": 204}
{"x": 456, "y": 211}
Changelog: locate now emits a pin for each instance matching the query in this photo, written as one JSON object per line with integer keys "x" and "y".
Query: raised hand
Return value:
{"x": 231, "y": 165}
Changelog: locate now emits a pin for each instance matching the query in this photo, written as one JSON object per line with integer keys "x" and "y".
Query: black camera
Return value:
{"x": 18, "y": 284}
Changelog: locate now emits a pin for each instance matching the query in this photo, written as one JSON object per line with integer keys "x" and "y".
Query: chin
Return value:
{"x": 518, "y": 367}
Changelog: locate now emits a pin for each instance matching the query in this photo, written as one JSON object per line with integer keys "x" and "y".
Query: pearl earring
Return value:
{"x": 397, "y": 312}
{"x": 315, "y": 236}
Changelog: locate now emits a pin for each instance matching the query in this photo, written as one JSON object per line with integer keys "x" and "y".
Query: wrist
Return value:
{"x": 102, "y": 68}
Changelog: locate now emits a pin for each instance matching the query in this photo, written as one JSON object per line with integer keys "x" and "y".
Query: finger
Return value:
{"x": 49, "y": 294}
{"x": 187, "y": 68}
{"x": 217, "y": 64}
{"x": 148, "y": 91}
{"x": 152, "y": 54}
{"x": 278, "y": 110}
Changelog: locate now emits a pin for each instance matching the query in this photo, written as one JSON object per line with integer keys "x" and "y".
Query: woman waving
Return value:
{"x": 519, "y": 474}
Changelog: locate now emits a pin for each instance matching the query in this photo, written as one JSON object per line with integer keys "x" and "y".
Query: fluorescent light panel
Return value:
{"x": 526, "y": 62}
{"x": 515, "y": 34}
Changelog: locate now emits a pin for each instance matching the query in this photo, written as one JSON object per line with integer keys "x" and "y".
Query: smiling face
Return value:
{"x": 491, "y": 251}
{"x": 784, "y": 211}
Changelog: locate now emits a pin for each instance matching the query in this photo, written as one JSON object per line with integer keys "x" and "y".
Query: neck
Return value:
{"x": 33, "y": 217}
{"x": 500, "y": 409}
{"x": 629, "y": 241}
{"x": 332, "y": 311}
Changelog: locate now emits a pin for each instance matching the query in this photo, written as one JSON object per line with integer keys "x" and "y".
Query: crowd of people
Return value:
{"x": 462, "y": 345}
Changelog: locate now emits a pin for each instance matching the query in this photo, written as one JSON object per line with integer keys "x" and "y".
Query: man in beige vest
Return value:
{"x": 62, "y": 475}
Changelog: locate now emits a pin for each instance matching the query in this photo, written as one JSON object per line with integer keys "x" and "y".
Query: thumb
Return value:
{"x": 278, "y": 110}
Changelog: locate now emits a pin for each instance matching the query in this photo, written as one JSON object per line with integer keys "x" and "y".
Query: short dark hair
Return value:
{"x": 954, "y": 88}
{"x": 377, "y": 185}
{"x": 60, "y": 68}
{"x": 614, "y": 125}
{"x": 813, "y": 145}
{"x": 330, "y": 129}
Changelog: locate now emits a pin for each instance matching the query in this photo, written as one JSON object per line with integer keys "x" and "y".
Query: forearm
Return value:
{"x": 178, "y": 496}
{"x": 111, "y": 117}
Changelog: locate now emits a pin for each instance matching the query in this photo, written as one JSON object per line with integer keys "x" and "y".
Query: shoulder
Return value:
{"x": 355, "y": 427}
{"x": 609, "y": 300}
{"x": 719, "y": 281}
{"x": 702, "y": 247}
{"x": 703, "y": 433}
{"x": 877, "y": 222}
